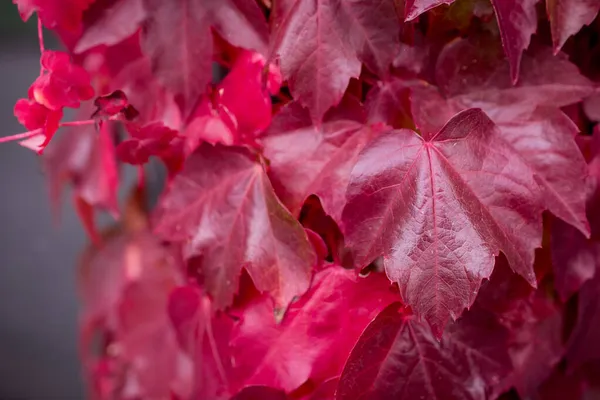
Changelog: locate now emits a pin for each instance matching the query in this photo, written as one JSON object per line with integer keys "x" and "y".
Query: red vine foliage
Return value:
{"x": 384, "y": 199}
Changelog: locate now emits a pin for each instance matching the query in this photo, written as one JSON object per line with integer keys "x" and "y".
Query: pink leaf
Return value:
{"x": 307, "y": 345}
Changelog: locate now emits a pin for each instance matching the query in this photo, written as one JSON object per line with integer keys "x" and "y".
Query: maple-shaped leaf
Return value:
{"x": 526, "y": 115}
{"x": 398, "y": 357}
{"x": 307, "y": 160}
{"x": 63, "y": 14}
{"x": 318, "y": 53}
{"x": 439, "y": 208}
{"x": 306, "y": 344}
{"x": 177, "y": 37}
{"x": 567, "y": 17}
{"x": 115, "y": 23}
{"x": 224, "y": 208}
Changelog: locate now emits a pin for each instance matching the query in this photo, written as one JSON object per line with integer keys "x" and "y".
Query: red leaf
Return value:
{"x": 305, "y": 160}
{"x": 251, "y": 229}
{"x": 307, "y": 344}
{"x": 567, "y": 17}
{"x": 246, "y": 95}
{"x": 318, "y": 53}
{"x": 436, "y": 208}
{"x": 400, "y": 358}
{"x": 64, "y": 85}
{"x": 153, "y": 139}
{"x": 177, "y": 38}
{"x": 115, "y": 24}
{"x": 113, "y": 104}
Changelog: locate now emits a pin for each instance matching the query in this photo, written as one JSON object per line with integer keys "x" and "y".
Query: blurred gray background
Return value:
{"x": 38, "y": 301}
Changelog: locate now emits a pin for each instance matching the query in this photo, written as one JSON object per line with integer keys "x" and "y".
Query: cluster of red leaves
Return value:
{"x": 388, "y": 199}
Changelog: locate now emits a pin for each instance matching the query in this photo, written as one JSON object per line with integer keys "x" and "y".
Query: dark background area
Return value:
{"x": 38, "y": 299}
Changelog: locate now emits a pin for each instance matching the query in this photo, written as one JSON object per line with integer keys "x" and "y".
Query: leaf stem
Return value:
{"x": 28, "y": 134}
{"x": 41, "y": 40}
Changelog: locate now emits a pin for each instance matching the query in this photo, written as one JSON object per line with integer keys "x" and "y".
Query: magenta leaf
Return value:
{"x": 398, "y": 357}
{"x": 305, "y": 160}
{"x": 177, "y": 38}
{"x": 318, "y": 54}
{"x": 223, "y": 208}
{"x": 435, "y": 207}
{"x": 306, "y": 344}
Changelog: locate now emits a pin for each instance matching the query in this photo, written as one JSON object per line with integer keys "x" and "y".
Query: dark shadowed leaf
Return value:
{"x": 398, "y": 357}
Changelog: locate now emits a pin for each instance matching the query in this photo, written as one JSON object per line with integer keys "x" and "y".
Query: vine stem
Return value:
{"x": 28, "y": 134}
{"x": 41, "y": 40}
{"x": 20, "y": 136}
